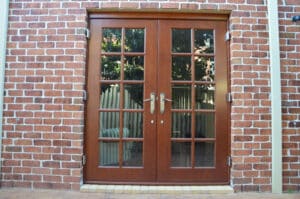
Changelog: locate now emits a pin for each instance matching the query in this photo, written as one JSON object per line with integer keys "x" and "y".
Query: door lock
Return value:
{"x": 152, "y": 102}
{"x": 162, "y": 102}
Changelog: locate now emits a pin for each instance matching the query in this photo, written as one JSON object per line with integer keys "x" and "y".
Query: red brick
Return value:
{"x": 41, "y": 34}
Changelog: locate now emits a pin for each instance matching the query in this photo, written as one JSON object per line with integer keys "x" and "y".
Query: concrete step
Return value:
{"x": 135, "y": 189}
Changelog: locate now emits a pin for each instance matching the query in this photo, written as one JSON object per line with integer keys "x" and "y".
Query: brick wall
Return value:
{"x": 45, "y": 77}
{"x": 290, "y": 73}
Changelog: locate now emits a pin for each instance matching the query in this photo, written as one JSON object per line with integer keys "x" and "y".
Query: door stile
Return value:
{"x": 92, "y": 103}
{"x": 164, "y": 119}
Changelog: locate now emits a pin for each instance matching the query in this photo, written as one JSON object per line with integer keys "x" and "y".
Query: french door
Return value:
{"x": 156, "y": 109}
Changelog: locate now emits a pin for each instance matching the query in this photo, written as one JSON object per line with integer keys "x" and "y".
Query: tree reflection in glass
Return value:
{"x": 204, "y": 69}
{"x": 181, "y": 68}
{"x": 181, "y": 40}
{"x": 111, "y": 39}
{"x": 204, "y": 41}
{"x": 134, "y": 40}
{"x": 110, "y": 67}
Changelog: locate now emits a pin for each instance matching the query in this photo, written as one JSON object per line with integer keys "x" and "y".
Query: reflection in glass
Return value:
{"x": 204, "y": 154}
{"x": 205, "y": 125}
{"x": 109, "y": 153}
{"x": 181, "y": 154}
{"x": 181, "y": 96}
{"x": 181, "y": 68}
{"x": 134, "y": 40}
{"x": 133, "y": 96}
{"x": 111, "y": 39}
{"x": 132, "y": 154}
{"x": 110, "y": 67}
{"x": 204, "y": 41}
{"x": 133, "y": 124}
{"x": 181, "y": 40}
{"x": 134, "y": 68}
{"x": 109, "y": 124}
{"x": 110, "y": 96}
{"x": 181, "y": 125}
{"x": 204, "y": 69}
{"x": 205, "y": 96}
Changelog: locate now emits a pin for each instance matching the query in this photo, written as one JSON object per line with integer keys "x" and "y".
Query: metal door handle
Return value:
{"x": 162, "y": 102}
{"x": 152, "y": 102}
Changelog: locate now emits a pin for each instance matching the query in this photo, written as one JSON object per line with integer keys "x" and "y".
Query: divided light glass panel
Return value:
{"x": 133, "y": 154}
{"x": 134, "y": 68}
{"x": 134, "y": 39}
{"x": 181, "y": 96}
{"x": 109, "y": 153}
{"x": 181, "y": 68}
{"x": 110, "y": 96}
{"x": 122, "y": 59}
{"x": 204, "y": 96}
{"x": 204, "y": 154}
{"x": 203, "y": 41}
{"x": 204, "y": 68}
{"x": 111, "y": 39}
{"x": 181, "y": 154}
{"x": 181, "y": 125}
{"x": 110, "y": 67}
{"x": 181, "y": 40}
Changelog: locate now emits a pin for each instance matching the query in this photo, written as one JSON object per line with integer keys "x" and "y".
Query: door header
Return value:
{"x": 156, "y": 15}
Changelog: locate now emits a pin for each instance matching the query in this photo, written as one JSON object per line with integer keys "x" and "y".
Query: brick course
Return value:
{"x": 45, "y": 79}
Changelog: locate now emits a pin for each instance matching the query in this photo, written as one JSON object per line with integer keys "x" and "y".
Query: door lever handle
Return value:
{"x": 162, "y": 102}
{"x": 152, "y": 102}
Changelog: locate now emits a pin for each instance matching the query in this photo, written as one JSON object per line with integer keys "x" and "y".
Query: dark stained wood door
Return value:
{"x": 156, "y": 109}
{"x": 121, "y": 128}
{"x": 192, "y": 129}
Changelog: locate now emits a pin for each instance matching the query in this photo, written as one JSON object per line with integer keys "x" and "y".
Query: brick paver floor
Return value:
{"x": 52, "y": 194}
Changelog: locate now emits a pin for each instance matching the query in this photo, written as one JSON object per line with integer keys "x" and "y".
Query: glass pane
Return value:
{"x": 204, "y": 154}
{"x": 181, "y": 68}
{"x": 134, "y": 68}
{"x": 133, "y": 124}
{"x": 181, "y": 96}
{"x": 110, "y": 96}
{"x": 133, "y": 154}
{"x": 111, "y": 39}
{"x": 205, "y": 96}
{"x": 133, "y": 96}
{"x": 204, "y": 41}
{"x": 204, "y": 69}
{"x": 134, "y": 40}
{"x": 205, "y": 125}
{"x": 181, "y": 154}
{"x": 109, "y": 153}
{"x": 109, "y": 124}
{"x": 110, "y": 67}
{"x": 181, "y": 40}
{"x": 181, "y": 125}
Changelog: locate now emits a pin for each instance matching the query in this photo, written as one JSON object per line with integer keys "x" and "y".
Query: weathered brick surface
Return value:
{"x": 45, "y": 77}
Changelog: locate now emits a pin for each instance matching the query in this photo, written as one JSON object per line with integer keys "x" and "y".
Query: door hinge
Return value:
{"x": 87, "y": 33}
{"x": 84, "y": 95}
{"x": 228, "y": 97}
{"x": 227, "y": 36}
{"x": 229, "y": 161}
{"x": 83, "y": 160}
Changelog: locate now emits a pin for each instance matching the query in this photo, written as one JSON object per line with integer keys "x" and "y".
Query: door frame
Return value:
{"x": 92, "y": 14}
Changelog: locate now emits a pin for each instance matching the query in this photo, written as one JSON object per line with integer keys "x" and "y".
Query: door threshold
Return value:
{"x": 136, "y": 189}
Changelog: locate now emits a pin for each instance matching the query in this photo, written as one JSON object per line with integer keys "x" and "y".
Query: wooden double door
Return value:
{"x": 156, "y": 108}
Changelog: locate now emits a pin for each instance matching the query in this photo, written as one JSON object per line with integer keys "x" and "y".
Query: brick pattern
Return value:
{"x": 290, "y": 62}
{"x": 45, "y": 78}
